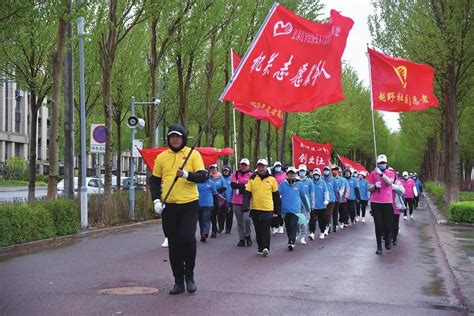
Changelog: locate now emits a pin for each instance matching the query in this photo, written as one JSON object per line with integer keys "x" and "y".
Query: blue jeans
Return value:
{"x": 204, "y": 216}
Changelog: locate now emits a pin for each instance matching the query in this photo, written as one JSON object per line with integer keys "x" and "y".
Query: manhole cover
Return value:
{"x": 133, "y": 290}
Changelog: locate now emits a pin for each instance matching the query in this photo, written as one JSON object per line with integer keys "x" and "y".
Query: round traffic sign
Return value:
{"x": 99, "y": 134}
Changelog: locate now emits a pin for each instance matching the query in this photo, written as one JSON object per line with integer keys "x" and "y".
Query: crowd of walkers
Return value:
{"x": 305, "y": 203}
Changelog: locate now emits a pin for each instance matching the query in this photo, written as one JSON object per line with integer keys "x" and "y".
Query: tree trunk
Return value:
{"x": 33, "y": 141}
{"x": 256, "y": 146}
{"x": 57, "y": 64}
{"x": 281, "y": 155}
{"x": 119, "y": 155}
{"x": 208, "y": 93}
{"x": 250, "y": 146}
{"x": 269, "y": 142}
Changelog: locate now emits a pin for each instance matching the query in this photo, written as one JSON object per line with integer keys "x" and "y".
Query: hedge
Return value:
{"x": 462, "y": 212}
{"x": 20, "y": 223}
{"x": 466, "y": 196}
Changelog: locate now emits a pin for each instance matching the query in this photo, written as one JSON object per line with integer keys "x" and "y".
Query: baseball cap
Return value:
{"x": 405, "y": 173}
{"x": 291, "y": 169}
{"x": 381, "y": 158}
{"x": 213, "y": 166}
{"x": 302, "y": 167}
{"x": 245, "y": 161}
{"x": 317, "y": 171}
{"x": 277, "y": 163}
{"x": 363, "y": 173}
{"x": 262, "y": 162}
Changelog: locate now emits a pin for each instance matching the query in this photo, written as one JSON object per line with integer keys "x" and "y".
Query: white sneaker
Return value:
{"x": 363, "y": 219}
{"x": 341, "y": 226}
{"x": 303, "y": 241}
{"x": 165, "y": 243}
{"x": 275, "y": 231}
{"x": 311, "y": 236}
{"x": 405, "y": 218}
{"x": 412, "y": 216}
{"x": 357, "y": 218}
{"x": 291, "y": 247}
{"x": 326, "y": 231}
{"x": 280, "y": 230}
{"x": 265, "y": 252}
{"x": 321, "y": 236}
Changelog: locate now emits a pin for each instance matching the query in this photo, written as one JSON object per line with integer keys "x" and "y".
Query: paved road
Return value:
{"x": 340, "y": 275}
{"x": 20, "y": 194}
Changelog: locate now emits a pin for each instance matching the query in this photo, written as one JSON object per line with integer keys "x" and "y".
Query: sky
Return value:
{"x": 359, "y": 37}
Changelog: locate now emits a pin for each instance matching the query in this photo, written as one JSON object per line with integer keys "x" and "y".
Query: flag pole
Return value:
{"x": 233, "y": 114}
{"x": 372, "y": 104}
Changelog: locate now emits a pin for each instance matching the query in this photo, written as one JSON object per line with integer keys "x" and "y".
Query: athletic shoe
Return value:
{"x": 241, "y": 243}
{"x": 363, "y": 219}
{"x": 321, "y": 236}
{"x": 165, "y": 243}
{"x": 303, "y": 241}
{"x": 405, "y": 218}
{"x": 341, "y": 226}
{"x": 203, "y": 238}
{"x": 311, "y": 236}
{"x": 280, "y": 230}
{"x": 214, "y": 235}
{"x": 394, "y": 242}
{"x": 346, "y": 225}
{"x": 265, "y": 252}
{"x": 357, "y": 218}
{"x": 412, "y": 216}
{"x": 334, "y": 229}
{"x": 259, "y": 253}
{"x": 326, "y": 231}
{"x": 291, "y": 247}
{"x": 274, "y": 231}
{"x": 379, "y": 251}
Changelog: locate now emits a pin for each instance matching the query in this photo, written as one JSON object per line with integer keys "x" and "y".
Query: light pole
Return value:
{"x": 133, "y": 123}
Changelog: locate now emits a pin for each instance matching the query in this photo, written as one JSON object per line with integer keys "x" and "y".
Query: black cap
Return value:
{"x": 179, "y": 130}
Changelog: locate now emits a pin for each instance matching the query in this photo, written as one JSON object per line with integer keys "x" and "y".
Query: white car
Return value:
{"x": 94, "y": 186}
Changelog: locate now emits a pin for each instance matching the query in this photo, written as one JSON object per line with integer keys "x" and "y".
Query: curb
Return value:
{"x": 62, "y": 241}
{"x": 441, "y": 219}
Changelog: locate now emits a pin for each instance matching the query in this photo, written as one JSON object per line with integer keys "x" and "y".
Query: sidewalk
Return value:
{"x": 457, "y": 243}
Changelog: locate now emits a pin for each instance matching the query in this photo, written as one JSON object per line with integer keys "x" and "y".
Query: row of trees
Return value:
{"x": 178, "y": 51}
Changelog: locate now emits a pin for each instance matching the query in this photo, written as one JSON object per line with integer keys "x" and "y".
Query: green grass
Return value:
{"x": 466, "y": 196}
{"x": 18, "y": 183}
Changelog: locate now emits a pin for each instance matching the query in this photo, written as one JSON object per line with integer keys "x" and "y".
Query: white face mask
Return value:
{"x": 326, "y": 172}
{"x": 302, "y": 173}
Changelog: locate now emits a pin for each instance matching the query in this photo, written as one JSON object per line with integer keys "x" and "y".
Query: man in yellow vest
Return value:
{"x": 181, "y": 212}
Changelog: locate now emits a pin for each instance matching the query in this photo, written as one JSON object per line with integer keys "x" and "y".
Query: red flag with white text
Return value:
{"x": 349, "y": 164}
{"x": 294, "y": 64}
{"x": 256, "y": 109}
{"x": 313, "y": 155}
{"x": 400, "y": 85}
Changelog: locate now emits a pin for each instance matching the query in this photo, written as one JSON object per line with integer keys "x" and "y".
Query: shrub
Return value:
{"x": 15, "y": 168}
{"x": 65, "y": 215}
{"x": 462, "y": 212}
{"x": 466, "y": 196}
{"x": 436, "y": 189}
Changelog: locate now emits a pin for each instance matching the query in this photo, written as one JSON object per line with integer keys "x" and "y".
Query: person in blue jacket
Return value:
{"x": 207, "y": 198}
{"x": 342, "y": 193}
{"x": 419, "y": 189}
{"x": 364, "y": 196}
{"x": 218, "y": 212}
{"x": 229, "y": 215}
{"x": 354, "y": 194}
{"x": 332, "y": 206}
{"x": 308, "y": 189}
{"x": 321, "y": 200}
{"x": 293, "y": 199}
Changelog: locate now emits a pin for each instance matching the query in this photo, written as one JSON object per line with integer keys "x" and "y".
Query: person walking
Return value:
{"x": 280, "y": 176}
{"x": 410, "y": 190}
{"x": 342, "y": 194}
{"x": 321, "y": 200}
{"x": 364, "y": 196}
{"x": 219, "y": 212}
{"x": 419, "y": 188}
{"x": 180, "y": 215}
{"x": 207, "y": 200}
{"x": 308, "y": 189}
{"x": 229, "y": 215}
{"x": 330, "y": 182}
{"x": 354, "y": 194}
{"x": 381, "y": 199}
{"x": 239, "y": 180}
{"x": 293, "y": 199}
{"x": 263, "y": 190}
{"x": 398, "y": 205}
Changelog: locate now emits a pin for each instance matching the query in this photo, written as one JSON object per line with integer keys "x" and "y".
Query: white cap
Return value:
{"x": 175, "y": 132}
{"x": 245, "y": 161}
{"x": 302, "y": 167}
{"x": 405, "y": 173}
{"x": 277, "y": 163}
{"x": 262, "y": 162}
{"x": 363, "y": 173}
{"x": 381, "y": 158}
{"x": 213, "y": 165}
{"x": 327, "y": 167}
{"x": 291, "y": 169}
{"x": 316, "y": 171}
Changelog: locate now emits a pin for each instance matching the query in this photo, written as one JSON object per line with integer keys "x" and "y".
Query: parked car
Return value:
{"x": 94, "y": 186}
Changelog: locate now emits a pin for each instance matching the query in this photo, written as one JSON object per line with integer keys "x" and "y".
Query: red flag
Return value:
{"x": 256, "y": 109}
{"x": 349, "y": 164}
{"x": 399, "y": 85}
{"x": 293, "y": 64}
{"x": 313, "y": 155}
{"x": 209, "y": 154}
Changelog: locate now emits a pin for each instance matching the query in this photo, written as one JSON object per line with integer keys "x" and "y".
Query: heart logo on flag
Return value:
{"x": 281, "y": 28}
{"x": 402, "y": 73}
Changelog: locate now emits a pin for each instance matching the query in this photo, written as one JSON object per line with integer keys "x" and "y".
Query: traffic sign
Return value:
{"x": 98, "y": 137}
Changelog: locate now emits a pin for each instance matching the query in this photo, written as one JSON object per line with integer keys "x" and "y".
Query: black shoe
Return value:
{"x": 387, "y": 244}
{"x": 220, "y": 230}
{"x": 241, "y": 243}
{"x": 178, "y": 288}
{"x": 203, "y": 238}
{"x": 249, "y": 241}
{"x": 227, "y": 231}
{"x": 190, "y": 285}
{"x": 394, "y": 242}
{"x": 334, "y": 229}
{"x": 379, "y": 251}
{"x": 213, "y": 235}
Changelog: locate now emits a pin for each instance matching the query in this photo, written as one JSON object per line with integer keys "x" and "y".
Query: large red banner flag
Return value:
{"x": 293, "y": 64}
{"x": 349, "y": 164}
{"x": 311, "y": 154}
{"x": 256, "y": 109}
{"x": 400, "y": 85}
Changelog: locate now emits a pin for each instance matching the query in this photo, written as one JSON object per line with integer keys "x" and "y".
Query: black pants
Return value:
{"x": 417, "y": 200}
{"x": 343, "y": 213}
{"x": 214, "y": 216}
{"x": 361, "y": 206}
{"x": 320, "y": 216}
{"x": 179, "y": 225}
{"x": 351, "y": 207}
{"x": 409, "y": 203}
{"x": 277, "y": 221}
{"x": 383, "y": 219}
{"x": 262, "y": 220}
{"x": 335, "y": 214}
{"x": 395, "y": 226}
{"x": 225, "y": 217}
{"x": 291, "y": 224}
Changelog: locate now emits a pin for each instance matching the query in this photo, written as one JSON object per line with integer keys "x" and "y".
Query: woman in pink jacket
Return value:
{"x": 410, "y": 190}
